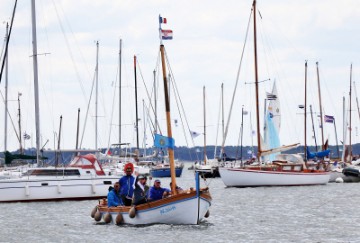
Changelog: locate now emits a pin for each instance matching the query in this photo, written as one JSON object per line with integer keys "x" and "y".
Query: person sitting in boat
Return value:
{"x": 127, "y": 184}
{"x": 113, "y": 197}
{"x": 141, "y": 191}
{"x": 157, "y": 192}
{"x": 177, "y": 188}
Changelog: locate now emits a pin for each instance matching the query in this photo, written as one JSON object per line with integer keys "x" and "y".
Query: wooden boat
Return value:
{"x": 285, "y": 170}
{"x": 182, "y": 207}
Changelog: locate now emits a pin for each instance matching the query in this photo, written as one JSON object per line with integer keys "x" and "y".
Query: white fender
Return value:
{"x": 59, "y": 188}
{"x": 93, "y": 188}
{"x": 27, "y": 190}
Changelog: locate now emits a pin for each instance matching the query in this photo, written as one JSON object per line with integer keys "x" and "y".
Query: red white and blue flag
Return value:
{"x": 329, "y": 119}
{"x": 166, "y": 34}
{"x": 162, "y": 20}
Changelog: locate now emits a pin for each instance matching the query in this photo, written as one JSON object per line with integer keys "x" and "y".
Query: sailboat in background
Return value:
{"x": 84, "y": 178}
{"x": 185, "y": 207}
{"x": 285, "y": 170}
{"x": 209, "y": 168}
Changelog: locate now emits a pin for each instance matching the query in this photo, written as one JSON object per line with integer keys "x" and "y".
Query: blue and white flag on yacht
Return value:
{"x": 161, "y": 141}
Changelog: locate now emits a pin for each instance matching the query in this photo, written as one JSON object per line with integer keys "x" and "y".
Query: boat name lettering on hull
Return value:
{"x": 168, "y": 209}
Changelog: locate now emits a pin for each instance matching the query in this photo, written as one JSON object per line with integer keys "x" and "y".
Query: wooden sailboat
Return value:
{"x": 186, "y": 207}
{"x": 285, "y": 170}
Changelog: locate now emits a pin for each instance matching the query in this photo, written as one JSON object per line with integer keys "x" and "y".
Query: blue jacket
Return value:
{"x": 114, "y": 199}
{"x": 127, "y": 186}
{"x": 157, "y": 193}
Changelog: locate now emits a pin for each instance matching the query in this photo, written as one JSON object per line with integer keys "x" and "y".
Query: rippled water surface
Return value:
{"x": 327, "y": 213}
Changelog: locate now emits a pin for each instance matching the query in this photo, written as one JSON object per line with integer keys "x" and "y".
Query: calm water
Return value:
{"x": 327, "y": 213}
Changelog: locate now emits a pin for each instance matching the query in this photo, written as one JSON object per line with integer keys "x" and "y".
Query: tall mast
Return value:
{"x": 168, "y": 121}
{"x": 204, "y": 125}
{"x": 321, "y": 115}
{"x": 36, "y": 85}
{"x": 6, "y": 90}
{"x": 77, "y": 130}
{"x": 96, "y": 94}
{"x": 313, "y": 128}
{"x": 305, "y": 110}
{"x": 120, "y": 49}
{"x": 222, "y": 119}
{"x": 58, "y": 147}
{"x": 343, "y": 158}
{"x": 19, "y": 123}
{"x": 256, "y": 86}
{"x": 136, "y": 107}
{"x": 350, "y": 146}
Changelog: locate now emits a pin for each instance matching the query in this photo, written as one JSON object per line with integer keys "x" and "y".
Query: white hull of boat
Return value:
{"x": 189, "y": 210}
{"x": 237, "y": 177}
{"x": 61, "y": 188}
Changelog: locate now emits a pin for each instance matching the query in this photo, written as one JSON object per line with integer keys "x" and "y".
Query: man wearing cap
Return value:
{"x": 157, "y": 192}
{"x": 127, "y": 184}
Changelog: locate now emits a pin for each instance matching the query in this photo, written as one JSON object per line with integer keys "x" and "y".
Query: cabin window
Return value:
{"x": 44, "y": 184}
{"x": 107, "y": 182}
{"x": 52, "y": 172}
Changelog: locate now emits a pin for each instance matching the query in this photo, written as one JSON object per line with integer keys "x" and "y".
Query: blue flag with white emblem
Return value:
{"x": 163, "y": 142}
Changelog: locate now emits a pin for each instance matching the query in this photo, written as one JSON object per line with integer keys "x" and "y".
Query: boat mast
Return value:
{"x": 321, "y": 116}
{"x": 256, "y": 86}
{"x": 305, "y": 110}
{"x": 204, "y": 126}
{"x": 36, "y": 85}
{"x": 313, "y": 128}
{"x": 77, "y": 130}
{"x": 168, "y": 121}
{"x": 350, "y": 146}
{"x": 136, "y": 107}
{"x": 6, "y": 90}
{"x": 96, "y": 94}
{"x": 58, "y": 147}
{"x": 222, "y": 121}
{"x": 120, "y": 50}
{"x": 343, "y": 157}
{"x": 19, "y": 123}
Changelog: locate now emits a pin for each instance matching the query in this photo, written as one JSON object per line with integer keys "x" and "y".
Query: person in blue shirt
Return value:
{"x": 157, "y": 192}
{"x": 113, "y": 197}
{"x": 127, "y": 184}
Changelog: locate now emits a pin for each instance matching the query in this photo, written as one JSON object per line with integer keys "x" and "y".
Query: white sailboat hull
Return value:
{"x": 237, "y": 177}
{"x": 182, "y": 209}
{"x": 50, "y": 188}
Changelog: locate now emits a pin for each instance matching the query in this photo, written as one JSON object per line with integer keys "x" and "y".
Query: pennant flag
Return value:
{"x": 163, "y": 142}
{"x": 162, "y": 20}
{"x": 166, "y": 34}
{"x": 26, "y": 136}
{"x": 329, "y": 119}
{"x": 194, "y": 134}
{"x": 271, "y": 96}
